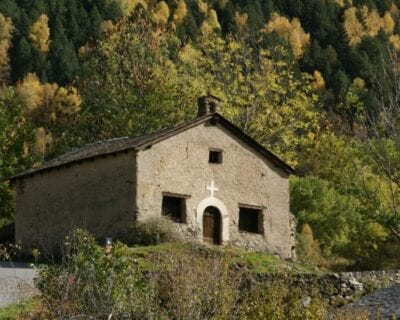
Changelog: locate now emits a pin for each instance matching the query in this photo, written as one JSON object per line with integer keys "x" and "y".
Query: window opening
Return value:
{"x": 215, "y": 156}
{"x": 174, "y": 208}
{"x": 250, "y": 220}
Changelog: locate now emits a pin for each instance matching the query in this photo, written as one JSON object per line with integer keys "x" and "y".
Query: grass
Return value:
{"x": 20, "y": 310}
{"x": 256, "y": 262}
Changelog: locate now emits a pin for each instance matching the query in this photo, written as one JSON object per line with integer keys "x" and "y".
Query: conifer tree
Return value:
{"x": 62, "y": 56}
{"x": 24, "y": 58}
{"x": 95, "y": 20}
{"x": 25, "y": 24}
{"x": 254, "y": 10}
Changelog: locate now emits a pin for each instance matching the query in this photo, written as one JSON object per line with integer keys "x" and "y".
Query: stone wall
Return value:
{"x": 338, "y": 288}
{"x": 95, "y": 194}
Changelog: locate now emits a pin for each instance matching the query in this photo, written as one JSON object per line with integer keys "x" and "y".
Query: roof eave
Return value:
{"x": 165, "y": 135}
{"x": 41, "y": 170}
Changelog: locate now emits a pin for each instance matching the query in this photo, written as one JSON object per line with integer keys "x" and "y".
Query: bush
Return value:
{"x": 195, "y": 283}
{"x": 154, "y": 230}
{"x": 92, "y": 283}
{"x": 307, "y": 249}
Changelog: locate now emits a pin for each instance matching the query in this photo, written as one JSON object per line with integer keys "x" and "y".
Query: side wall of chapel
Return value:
{"x": 97, "y": 195}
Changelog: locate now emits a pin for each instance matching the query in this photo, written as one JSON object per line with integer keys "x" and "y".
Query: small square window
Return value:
{"x": 250, "y": 220}
{"x": 215, "y": 156}
{"x": 174, "y": 208}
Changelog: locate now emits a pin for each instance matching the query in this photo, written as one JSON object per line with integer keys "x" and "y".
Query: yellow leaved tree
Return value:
{"x": 291, "y": 31}
{"x": 353, "y": 27}
{"x": 137, "y": 86}
{"x": 264, "y": 98}
{"x": 161, "y": 13}
{"x": 366, "y": 22}
{"x": 47, "y": 105}
{"x": 180, "y": 12}
{"x": 40, "y": 34}
{"x": 241, "y": 20}
{"x": 127, "y": 6}
{"x": 210, "y": 23}
{"x": 6, "y": 29}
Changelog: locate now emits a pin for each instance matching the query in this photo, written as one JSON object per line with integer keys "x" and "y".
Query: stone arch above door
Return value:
{"x": 214, "y": 202}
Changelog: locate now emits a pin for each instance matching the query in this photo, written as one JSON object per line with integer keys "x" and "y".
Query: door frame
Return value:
{"x": 213, "y": 202}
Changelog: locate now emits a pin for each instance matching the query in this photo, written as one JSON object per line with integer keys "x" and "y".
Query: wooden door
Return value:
{"x": 212, "y": 225}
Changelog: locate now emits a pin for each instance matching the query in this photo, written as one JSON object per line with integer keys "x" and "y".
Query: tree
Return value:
{"x": 131, "y": 85}
{"x": 95, "y": 20}
{"x": 383, "y": 141}
{"x": 62, "y": 56}
{"x": 353, "y": 27}
{"x": 332, "y": 216}
{"x": 40, "y": 34}
{"x": 340, "y": 199}
{"x": 180, "y": 12}
{"x": 290, "y": 31}
{"x": 261, "y": 95}
{"x": 6, "y": 29}
{"x": 136, "y": 84}
{"x": 48, "y": 108}
{"x": 16, "y": 138}
{"x": 161, "y": 13}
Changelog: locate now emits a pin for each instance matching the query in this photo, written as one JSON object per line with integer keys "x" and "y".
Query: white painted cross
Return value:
{"x": 212, "y": 188}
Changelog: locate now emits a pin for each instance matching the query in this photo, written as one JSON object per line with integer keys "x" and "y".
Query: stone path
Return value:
{"x": 16, "y": 283}
{"x": 381, "y": 304}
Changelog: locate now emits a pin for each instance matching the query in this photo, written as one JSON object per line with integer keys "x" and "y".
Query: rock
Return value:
{"x": 306, "y": 302}
{"x": 355, "y": 284}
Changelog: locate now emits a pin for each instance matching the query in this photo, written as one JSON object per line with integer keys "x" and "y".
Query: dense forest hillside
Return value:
{"x": 315, "y": 81}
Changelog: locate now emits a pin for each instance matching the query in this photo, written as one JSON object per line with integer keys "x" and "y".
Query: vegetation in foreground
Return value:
{"x": 21, "y": 310}
{"x": 185, "y": 281}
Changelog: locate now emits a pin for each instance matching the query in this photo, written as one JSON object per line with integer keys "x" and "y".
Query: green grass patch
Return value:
{"x": 19, "y": 310}
{"x": 256, "y": 262}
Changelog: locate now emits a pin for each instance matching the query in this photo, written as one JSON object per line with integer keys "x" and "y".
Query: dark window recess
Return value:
{"x": 250, "y": 220}
{"x": 215, "y": 156}
{"x": 174, "y": 208}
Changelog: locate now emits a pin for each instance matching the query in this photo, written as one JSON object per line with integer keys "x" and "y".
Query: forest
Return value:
{"x": 315, "y": 81}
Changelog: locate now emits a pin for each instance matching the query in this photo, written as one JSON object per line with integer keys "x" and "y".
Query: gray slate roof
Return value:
{"x": 122, "y": 144}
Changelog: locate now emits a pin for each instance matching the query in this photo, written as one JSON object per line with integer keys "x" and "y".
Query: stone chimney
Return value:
{"x": 207, "y": 104}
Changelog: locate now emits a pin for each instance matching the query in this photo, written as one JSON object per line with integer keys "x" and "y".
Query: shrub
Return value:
{"x": 280, "y": 300}
{"x": 93, "y": 283}
{"x": 195, "y": 283}
{"x": 307, "y": 249}
{"x": 154, "y": 230}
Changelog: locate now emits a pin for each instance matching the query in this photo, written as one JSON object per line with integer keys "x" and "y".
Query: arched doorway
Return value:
{"x": 212, "y": 225}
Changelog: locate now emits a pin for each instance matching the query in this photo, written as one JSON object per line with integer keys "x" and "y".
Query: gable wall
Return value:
{"x": 96, "y": 195}
{"x": 179, "y": 165}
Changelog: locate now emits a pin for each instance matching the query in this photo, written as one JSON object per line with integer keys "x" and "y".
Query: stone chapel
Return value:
{"x": 216, "y": 183}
